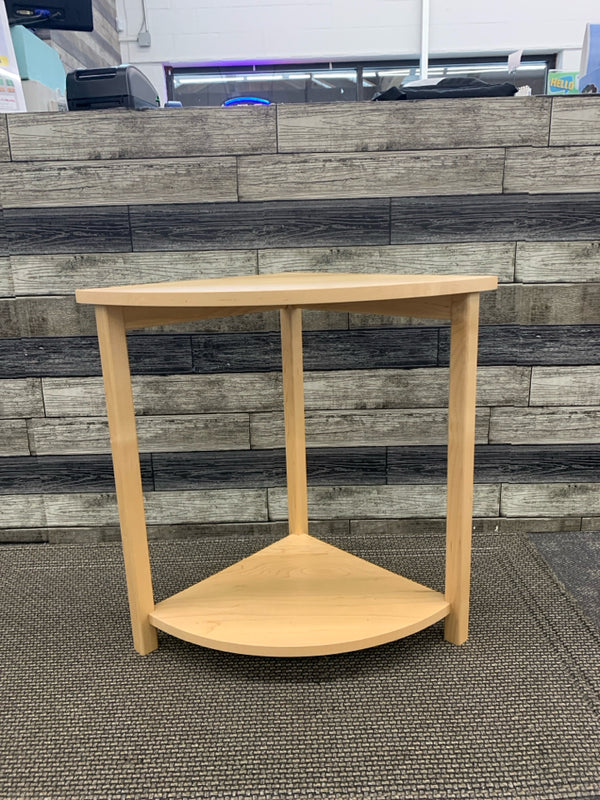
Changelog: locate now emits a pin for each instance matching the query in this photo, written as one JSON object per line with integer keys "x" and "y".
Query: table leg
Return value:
{"x": 293, "y": 407}
{"x": 461, "y": 446}
{"x": 128, "y": 479}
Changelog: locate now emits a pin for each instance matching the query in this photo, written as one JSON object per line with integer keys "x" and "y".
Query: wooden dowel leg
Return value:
{"x": 128, "y": 479}
{"x": 461, "y": 451}
{"x": 293, "y": 406}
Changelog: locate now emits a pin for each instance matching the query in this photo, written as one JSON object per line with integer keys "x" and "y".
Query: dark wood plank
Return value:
{"x": 62, "y": 356}
{"x": 109, "y": 183}
{"x": 67, "y": 230}
{"x": 552, "y": 169}
{"x": 274, "y": 224}
{"x": 341, "y": 127}
{"x": 4, "y": 251}
{"x": 496, "y": 218}
{"x": 333, "y": 350}
{"x": 532, "y": 344}
{"x": 120, "y": 133}
{"x": 51, "y": 474}
{"x": 442, "y": 172}
{"x": 575, "y": 120}
{"x": 4, "y": 148}
{"x": 340, "y": 466}
{"x": 499, "y": 463}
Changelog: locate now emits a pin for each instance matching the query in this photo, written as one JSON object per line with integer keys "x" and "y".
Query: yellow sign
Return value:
{"x": 3, "y": 61}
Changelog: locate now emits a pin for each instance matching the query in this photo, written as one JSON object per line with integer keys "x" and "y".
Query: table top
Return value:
{"x": 285, "y": 288}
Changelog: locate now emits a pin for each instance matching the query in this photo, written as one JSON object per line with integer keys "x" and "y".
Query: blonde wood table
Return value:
{"x": 299, "y": 596}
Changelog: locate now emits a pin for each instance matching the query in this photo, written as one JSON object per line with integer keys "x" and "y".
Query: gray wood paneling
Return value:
{"x": 496, "y": 258}
{"x": 558, "y": 386}
{"x": 562, "y": 425}
{"x": 375, "y": 502}
{"x": 9, "y": 319}
{"x": 6, "y": 282}
{"x": 437, "y": 527}
{"x": 544, "y": 170}
{"x": 359, "y": 428}
{"x": 275, "y": 224}
{"x": 67, "y": 230}
{"x": 341, "y": 127}
{"x": 21, "y": 398}
{"x": 14, "y": 441}
{"x": 542, "y": 304}
{"x": 49, "y": 316}
{"x": 590, "y": 524}
{"x": 168, "y": 394}
{"x": 441, "y": 172}
{"x": 575, "y": 120}
{"x": 23, "y": 511}
{"x": 558, "y": 262}
{"x": 62, "y": 274}
{"x": 4, "y": 148}
{"x": 550, "y": 499}
{"x": 155, "y": 434}
{"x": 123, "y": 134}
{"x": 108, "y": 183}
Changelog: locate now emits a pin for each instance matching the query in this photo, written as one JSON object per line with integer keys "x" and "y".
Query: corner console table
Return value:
{"x": 299, "y": 596}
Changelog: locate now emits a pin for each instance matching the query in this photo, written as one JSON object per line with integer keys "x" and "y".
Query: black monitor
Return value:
{"x": 66, "y": 15}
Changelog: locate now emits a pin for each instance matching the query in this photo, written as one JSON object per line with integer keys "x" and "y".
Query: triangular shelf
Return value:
{"x": 299, "y": 597}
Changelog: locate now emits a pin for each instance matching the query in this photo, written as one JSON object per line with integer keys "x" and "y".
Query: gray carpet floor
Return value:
{"x": 514, "y": 713}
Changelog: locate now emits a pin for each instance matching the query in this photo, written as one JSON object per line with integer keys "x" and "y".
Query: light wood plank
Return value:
{"x": 381, "y": 502}
{"x": 156, "y": 434}
{"x": 540, "y": 170}
{"x": 575, "y": 120}
{"x": 461, "y": 443}
{"x": 558, "y": 262}
{"x": 442, "y": 172}
{"x": 299, "y": 597}
{"x": 293, "y": 409}
{"x": 62, "y": 274}
{"x": 52, "y": 316}
{"x": 14, "y": 441}
{"x": 6, "y": 281}
{"x": 23, "y": 511}
{"x": 558, "y": 386}
{"x": 21, "y": 398}
{"x": 341, "y": 127}
{"x": 4, "y": 148}
{"x": 122, "y": 134}
{"x": 435, "y": 528}
{"x": 550, "y": 499}
{"x": 563, "y": 425}
{"x": 363, "y": 428}
{"x": 542, "y": 304}
{"x": 105, "y": 183}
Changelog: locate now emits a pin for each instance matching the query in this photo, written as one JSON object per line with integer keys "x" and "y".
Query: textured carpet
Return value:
{"x": 514, "y": 713}
{"x": 574, "y": 557}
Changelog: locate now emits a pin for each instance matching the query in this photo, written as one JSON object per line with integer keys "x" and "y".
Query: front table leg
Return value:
{"x": 461, "y": 447}
{"x": 128, "y": 479}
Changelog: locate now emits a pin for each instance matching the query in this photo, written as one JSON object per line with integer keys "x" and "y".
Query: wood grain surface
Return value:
{"x": 443, "y": 172}
{"x": 496, "y": 258}
{"x": 108, "y": 183}
{"x": 558, "y": 262}
{"x": 575, "y": 121}
{"x": 125, "y": 134}
{"x": 293, "y": 223}
{"x": 21, "y": 398}
{"x": 578, "y": 386}
{"x": 542, "y": 304}
{"x": 6, "y": 281}
{"x": 4, "y": 148}
{"x": 557, "y": 169}
{"x": 550, "y": 499}
{"x": 560, "y": 425}
{"x": 342, "y": 127}
{"x": 14, "y": 441}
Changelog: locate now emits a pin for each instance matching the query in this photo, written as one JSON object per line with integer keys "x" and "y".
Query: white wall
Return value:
{"x": 235, "y": 31}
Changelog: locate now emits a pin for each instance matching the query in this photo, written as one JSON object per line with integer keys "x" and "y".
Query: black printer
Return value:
{"x": 110, "y": 87}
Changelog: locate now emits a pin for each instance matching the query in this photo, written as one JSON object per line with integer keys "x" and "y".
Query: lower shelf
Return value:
{"x": 299, "y": 597}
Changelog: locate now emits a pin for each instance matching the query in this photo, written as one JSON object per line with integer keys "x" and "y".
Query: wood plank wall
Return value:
{"x": 505, "y": 186}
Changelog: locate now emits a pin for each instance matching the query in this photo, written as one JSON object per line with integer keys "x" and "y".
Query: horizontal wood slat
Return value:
{"x": 4, "y": 148}
{"x": 341, "y": 127}
{"x": 6, "y": 282}
{"x": 14, "y": 441}
{"x": 67, "y": 230}
{"x": 275, "y": 224}
{"x": 155, "y": 434}
{"x": 63, "y": 274}
{"x": 358, "y": 428}
{"x": 577, "y": 386}
{"x": 542, "y": 304}
{"x": 21, "y": 398}
{"x": 441, "y": 172}
{"x": 557, "y": 169}
{"x": 558, "y": 262}
{"x": 108, "y": 183}
{"x": 495, "y": 218}
{"x": 575, "y": 120}
{"x": 112, "y": 134}
{"x": 495, "y": 258}
{"x": 376, "y": 502}
{"x": 23, "y": 511}
{"x": 563, "y": 425}
{"x": 551, "y": 499}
